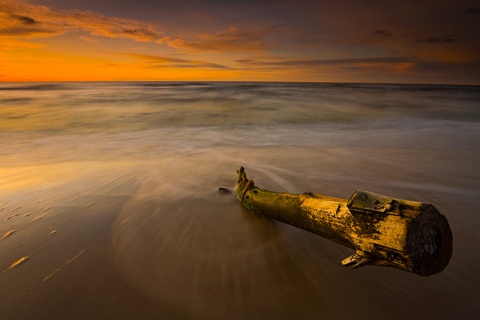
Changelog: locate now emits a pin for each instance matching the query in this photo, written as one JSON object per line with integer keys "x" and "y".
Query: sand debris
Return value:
{"x": 53, "y": 231}
{"x": 36, "y": 219}
{"x": 46, "y": 209}
{"x": 76, "y": 257}
{"x": 50, "y": 275}
{"x": 17, "y": 263}
{"x": 88, "y": 205}
{"x": 125, "y": 221}
{"x": 13, "y": 210}
{"x": 10, "y": 217}
{"x": 8, "y": 233}
{"x": 27, "y": 214}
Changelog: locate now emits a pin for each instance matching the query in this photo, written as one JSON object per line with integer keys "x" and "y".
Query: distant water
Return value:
{"x": 191, "y": 249}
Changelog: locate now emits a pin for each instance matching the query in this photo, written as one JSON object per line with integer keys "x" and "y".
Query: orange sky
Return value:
{"x": 241, "y": 40}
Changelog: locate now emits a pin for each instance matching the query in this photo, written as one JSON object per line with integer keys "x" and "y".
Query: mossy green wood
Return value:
{"x": 384, "y": 231}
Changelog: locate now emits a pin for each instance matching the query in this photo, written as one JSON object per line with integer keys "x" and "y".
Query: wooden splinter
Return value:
{"x": 384, "y": 231}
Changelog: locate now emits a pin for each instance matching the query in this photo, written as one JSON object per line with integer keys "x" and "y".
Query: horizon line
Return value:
{"x": 251, "y": 81}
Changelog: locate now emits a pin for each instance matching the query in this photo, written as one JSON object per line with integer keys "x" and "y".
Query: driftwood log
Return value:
{"x": 384, "y": 231}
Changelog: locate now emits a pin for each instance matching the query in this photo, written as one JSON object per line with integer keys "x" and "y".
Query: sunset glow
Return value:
{"x": 304, "y": 40}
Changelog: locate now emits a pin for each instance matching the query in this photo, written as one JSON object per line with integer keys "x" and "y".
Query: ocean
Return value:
{"x": 111, "y": 189}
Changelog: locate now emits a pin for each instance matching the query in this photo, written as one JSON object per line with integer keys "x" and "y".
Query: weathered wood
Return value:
{"x": 384, "y": 231}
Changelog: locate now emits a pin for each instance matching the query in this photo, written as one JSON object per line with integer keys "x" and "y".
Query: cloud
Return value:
{"x": 472, "y": 10}
{"x": 25, "y": 32}
{"x": 22, "y": 20}
{"x": 345, "y": 69}
{"x": 382, "y": 33}
{"x": 399, "y": 68}
{"x": 233, "y": 39}
{"x": 168, "y": 62}
{"x": 442, "y": 39}
{"x": 317, "y": 63}
{"x": 136, "y": 48}
{"x": 88, "y": 39}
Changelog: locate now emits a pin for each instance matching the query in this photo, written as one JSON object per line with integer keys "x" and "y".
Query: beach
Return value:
{"x": 109, "y": 199}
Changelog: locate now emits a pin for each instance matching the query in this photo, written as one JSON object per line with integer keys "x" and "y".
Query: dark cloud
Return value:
{"x": 168, "y": 62}
{"x": 382, "y": 33}
{"x": 24, "y": 19}
{"x": 142, "y": 33}
{"x": 442, "y": 39}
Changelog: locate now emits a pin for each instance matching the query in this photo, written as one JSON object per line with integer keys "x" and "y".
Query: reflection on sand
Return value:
{"x": 199, "y": 248}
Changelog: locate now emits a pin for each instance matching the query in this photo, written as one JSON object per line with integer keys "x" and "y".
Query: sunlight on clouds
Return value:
{"x": 13, "y": 44}
{"x": 317, "y": 40}
{"x": 50, "y": 66}
{"x": 20, "y": 20}
{"x": 233, "y": 39}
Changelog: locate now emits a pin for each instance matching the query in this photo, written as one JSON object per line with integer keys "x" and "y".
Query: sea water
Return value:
{"x": 166, "y": 147}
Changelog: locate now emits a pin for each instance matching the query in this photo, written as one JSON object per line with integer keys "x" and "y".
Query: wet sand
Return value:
{"x": 69, "y": 273}
{"x": 142, "y": 241}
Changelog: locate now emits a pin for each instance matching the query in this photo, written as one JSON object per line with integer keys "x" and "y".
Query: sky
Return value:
{"x": 375, "y": 41}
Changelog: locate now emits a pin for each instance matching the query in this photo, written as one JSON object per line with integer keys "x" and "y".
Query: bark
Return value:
{"x": 384, "y": 231}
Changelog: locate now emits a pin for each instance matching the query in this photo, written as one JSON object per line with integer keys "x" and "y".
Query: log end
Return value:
{"x": 429, "y": 241}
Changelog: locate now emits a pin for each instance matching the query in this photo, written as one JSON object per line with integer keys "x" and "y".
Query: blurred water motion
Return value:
{"x": 131, "y": 173}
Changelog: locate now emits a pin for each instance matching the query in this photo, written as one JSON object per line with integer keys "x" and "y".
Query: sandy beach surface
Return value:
{"x": 63, "y": 224}
{"x": 110, "y": 209}
{"x": 126, "y": 243}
